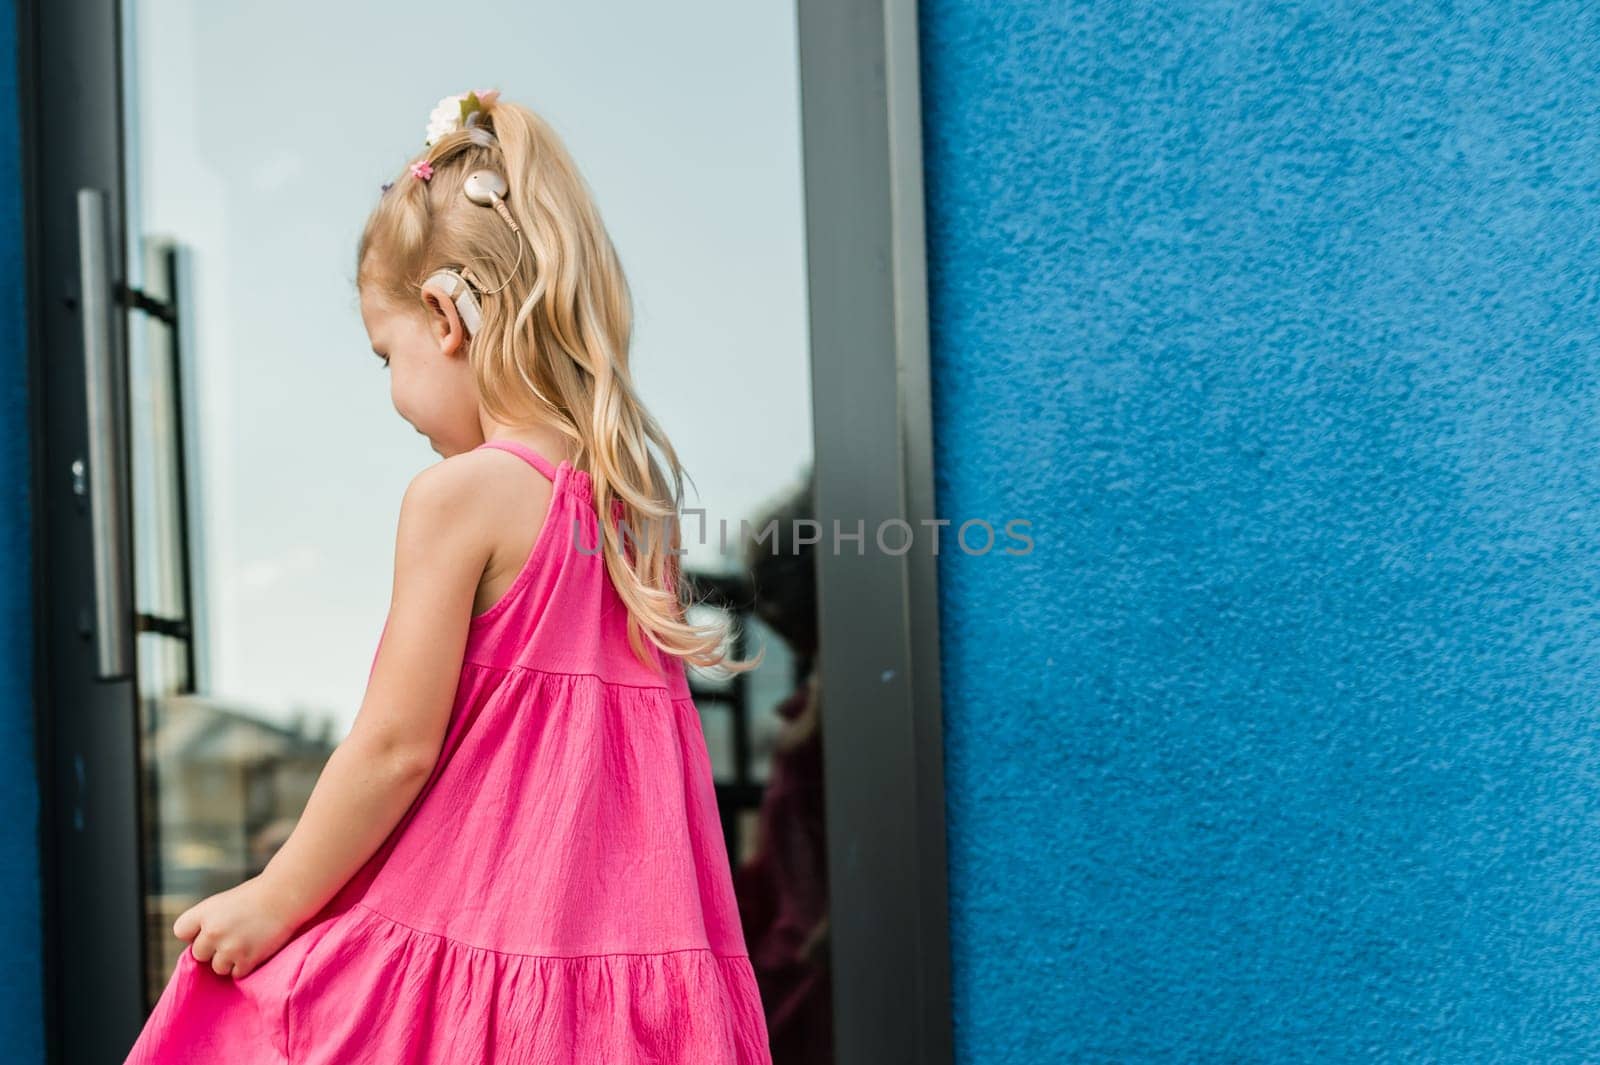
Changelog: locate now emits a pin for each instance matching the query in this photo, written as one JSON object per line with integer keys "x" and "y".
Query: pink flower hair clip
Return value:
{"x": 422, "y": 171}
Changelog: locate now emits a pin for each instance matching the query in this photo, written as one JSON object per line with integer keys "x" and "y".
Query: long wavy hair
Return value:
{"x": 553, "y": 346}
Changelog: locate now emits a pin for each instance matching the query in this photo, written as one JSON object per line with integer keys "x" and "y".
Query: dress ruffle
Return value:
{"x": 451, "y": 1002}
{"x": 362, "y": 987}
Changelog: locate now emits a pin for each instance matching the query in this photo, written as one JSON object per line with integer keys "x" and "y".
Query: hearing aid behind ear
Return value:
{"x": 486, "y": 188}
{"x": 455, "y": 286}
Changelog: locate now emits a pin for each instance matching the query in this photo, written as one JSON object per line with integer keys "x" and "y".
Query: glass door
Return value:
{"x": 267, "y": 464}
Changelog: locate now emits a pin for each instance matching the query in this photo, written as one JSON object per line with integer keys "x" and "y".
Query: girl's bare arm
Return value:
{"x": 373, "y": 775}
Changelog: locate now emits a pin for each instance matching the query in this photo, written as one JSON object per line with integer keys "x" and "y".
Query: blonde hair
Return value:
{"x": 553, "y": 344}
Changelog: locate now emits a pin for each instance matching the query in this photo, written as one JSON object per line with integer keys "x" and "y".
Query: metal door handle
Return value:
{"x": 113, "y": 588}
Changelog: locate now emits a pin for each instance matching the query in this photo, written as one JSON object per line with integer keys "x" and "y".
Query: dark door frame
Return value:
{"x": 861, "y": 118}
{"x": 71, "y": 125}
{"x": 883, "y": 751}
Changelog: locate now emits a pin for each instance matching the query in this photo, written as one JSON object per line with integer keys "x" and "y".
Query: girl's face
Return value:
{"x": 430, "y": 382}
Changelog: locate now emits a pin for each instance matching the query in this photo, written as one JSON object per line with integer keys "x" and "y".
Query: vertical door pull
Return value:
{"x": 113, "y": 588}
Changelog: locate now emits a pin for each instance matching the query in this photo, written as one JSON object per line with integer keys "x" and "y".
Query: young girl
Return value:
{"x": 515, "y": 855}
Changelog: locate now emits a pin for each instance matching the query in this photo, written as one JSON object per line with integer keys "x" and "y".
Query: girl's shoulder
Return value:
{"x": 454, "y": 490}
{"x": 472, "y": 489}
{"x": 452, "y": 513}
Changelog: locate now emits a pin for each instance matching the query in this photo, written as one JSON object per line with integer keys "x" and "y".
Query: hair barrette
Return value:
{"x": 422, "y": 170}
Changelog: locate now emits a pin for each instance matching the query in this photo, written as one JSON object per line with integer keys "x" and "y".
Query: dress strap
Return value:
{"x": 523, "y": 451}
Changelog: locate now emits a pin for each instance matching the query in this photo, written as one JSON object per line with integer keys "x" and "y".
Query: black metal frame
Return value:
{"x": 873, "y": 440}
{"x": 882, "y": 747}
{"x": 71, "y": 124}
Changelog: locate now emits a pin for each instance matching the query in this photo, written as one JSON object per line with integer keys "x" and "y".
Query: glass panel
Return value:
{"x": 270, "y": 464}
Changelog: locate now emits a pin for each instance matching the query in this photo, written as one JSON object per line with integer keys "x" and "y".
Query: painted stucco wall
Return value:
{"x": 1281, "y": 323}
{"x": 21, "y": 938}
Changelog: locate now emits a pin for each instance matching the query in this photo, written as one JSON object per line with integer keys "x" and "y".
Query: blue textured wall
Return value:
{"x": 1282, "y": 324}
{"x": 21, "y": 943}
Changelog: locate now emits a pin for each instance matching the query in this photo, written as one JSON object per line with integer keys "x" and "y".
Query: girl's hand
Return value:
{"x": 238, "y": 929}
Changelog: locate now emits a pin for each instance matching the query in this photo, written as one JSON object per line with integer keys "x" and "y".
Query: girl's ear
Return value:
{"x": 444, "y": 321}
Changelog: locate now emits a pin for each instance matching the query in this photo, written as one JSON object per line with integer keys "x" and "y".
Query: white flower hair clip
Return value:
{"x": 460, "y": 111}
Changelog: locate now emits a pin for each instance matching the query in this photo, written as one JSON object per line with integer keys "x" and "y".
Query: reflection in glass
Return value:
{"x": 782, "y": 879}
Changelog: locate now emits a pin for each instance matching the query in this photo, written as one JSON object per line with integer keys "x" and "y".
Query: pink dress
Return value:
{"x": 559, "y": 892}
